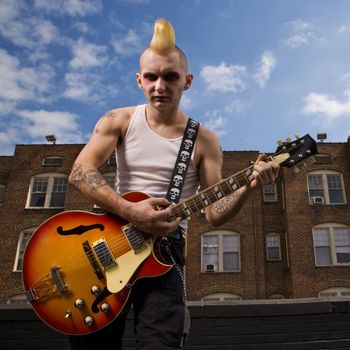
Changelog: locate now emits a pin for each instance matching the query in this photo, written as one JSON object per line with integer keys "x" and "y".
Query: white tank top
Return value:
{"x": 145, "y": 161}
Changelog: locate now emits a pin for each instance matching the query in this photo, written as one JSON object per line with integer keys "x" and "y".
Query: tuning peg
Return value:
{"x": 288, "y": 139}
{"x": 297, "y": 136}
{"x": 296, "y": 170}
{"x": 279, "y": 142}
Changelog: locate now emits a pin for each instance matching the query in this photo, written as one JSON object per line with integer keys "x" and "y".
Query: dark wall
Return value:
{"x": 263, "y": 325}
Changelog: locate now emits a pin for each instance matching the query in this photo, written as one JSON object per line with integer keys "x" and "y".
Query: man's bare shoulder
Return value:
{"x": 207, "y": 145}
{"x": 207, "y": 136}
{"x": 120, "y": 114}
{"x": 115, "y": 120}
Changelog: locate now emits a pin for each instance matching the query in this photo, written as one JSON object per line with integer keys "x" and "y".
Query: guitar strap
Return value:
{"x": 182, "y": 162}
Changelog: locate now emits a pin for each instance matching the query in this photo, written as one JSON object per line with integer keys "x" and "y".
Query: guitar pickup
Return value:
{"x": 104, "y": 254}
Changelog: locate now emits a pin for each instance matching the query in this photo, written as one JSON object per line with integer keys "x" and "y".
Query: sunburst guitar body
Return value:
{"x": 79, "y": 268}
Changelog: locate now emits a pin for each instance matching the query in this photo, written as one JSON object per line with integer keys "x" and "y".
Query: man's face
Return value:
{"x": 163, "y": 78}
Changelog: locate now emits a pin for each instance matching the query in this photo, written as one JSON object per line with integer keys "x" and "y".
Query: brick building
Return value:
{"x": 291, "y": 240}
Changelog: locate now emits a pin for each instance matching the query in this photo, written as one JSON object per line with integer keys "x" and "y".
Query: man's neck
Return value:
{"x": 168, "y": 123}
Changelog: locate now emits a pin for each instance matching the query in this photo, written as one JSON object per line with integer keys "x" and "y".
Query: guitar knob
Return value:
{"x": 105, "y": 307}
{"x": 79, "y": 303}
{"x": 96, "y": 290}
{"x": 89, "y": 320}
{"x": 68, "y": 314}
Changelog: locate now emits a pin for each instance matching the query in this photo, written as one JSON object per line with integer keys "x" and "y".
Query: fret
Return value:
{"x": 248, "y": 175}
{"x": 204, "y": 199}
{"x": 233, "y": 183}
{"x": 187, "y": 209}
{"x": 212, "y": 194}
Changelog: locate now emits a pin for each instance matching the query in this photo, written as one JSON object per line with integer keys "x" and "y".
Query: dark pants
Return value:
{"x": 159, "y": 313}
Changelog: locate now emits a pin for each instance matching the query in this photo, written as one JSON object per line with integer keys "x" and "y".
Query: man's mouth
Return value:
{"x": 160, "y": 98}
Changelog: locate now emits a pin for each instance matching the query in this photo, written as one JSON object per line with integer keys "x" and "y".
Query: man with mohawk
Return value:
{"x": 146, "y": 139}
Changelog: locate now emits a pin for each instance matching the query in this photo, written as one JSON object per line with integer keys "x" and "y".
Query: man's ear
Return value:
{"x": 138, "y": 80}
{"x": 189, "y": 79}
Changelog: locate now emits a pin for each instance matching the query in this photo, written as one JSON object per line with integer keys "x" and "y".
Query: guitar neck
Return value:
{"x": 212, "y": 194}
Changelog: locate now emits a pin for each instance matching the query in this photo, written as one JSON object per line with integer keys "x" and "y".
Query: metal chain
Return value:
{"x": 182, "y": 272}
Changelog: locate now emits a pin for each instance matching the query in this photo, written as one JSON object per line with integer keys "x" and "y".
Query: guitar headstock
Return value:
{"x": 292, "y": 152}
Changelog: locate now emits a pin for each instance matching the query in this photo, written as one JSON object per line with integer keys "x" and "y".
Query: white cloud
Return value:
{"x": 224, "y": 78}
{"x": 8, "y": 138}
{"x": 87, "y": 55}
{"x": 236, "y": 106}
{"x": 19, "y": 83}
{"x": 128, "y": 44}
{"x": 303, "y": 33}
{"x": 70, "y": 7}
{"x": 267, "y": 64}
{"x": 327, "y": 107}
{"x": 216, "y": 122}
{"x": 41, "y": 122}
{"x": 28, "y": 32}
{"x": 87, "y": 87}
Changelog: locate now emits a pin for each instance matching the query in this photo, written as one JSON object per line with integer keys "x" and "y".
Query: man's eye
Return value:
{"x": 150, "y": 76}
{"x": 171, "y": 76}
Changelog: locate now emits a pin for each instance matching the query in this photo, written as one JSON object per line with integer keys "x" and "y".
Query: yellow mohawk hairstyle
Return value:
{"x": 163, "y": 39}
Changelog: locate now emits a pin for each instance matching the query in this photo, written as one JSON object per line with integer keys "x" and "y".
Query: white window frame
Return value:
{"x": 51, "y": 178}
{"x": 270, "y": 193}
{"x": 276, "y": 296}
{"x": 267, "y": 246}
{"x": 57, "y": 158}
{"x": 325, "y": 189}
{"x": 23, "y": 240}
{"x": 219, "y": 266}
{"x": 332, "y": 243}
{"x": 221, "y": 297}
{"x": 334, "y": 292}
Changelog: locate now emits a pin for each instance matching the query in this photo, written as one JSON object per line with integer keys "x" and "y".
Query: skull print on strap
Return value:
{"x": 182, "y": 161}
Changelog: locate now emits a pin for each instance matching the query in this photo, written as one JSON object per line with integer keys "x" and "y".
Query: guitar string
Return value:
{"x": 210, "y": 193}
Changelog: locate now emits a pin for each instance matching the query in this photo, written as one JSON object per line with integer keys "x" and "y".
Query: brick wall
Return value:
{"x": 317, "y": 324}
{"x": 295, "y": 275}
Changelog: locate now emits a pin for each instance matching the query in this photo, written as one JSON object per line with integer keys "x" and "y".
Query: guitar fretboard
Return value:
{"x": 212, "y": 194}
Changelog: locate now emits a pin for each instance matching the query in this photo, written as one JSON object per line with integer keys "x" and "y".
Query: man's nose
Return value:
{"x": 160, "y": 84}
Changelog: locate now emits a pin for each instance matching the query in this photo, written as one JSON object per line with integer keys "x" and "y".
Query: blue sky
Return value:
{"x": 263, "y": 69}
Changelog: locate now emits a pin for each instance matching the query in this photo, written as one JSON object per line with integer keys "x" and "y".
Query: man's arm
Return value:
{"x": 86, "y": 177}
{"x": 210, "y": 172}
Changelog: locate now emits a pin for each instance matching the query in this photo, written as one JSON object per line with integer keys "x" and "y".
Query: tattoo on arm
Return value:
{"x": 94, "y": 179}
{"x": 109, "y": 114}
{"x": 77, "y": 175}
{"x": 90, "y": 177}
{"x": 223, "y": 204}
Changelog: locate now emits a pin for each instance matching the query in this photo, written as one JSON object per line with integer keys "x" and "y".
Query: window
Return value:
{"x": 276, "y": 296}
{"x": 23, "y": 240}
{"x": 322, "y": 159}
{"x": 52, "y": 161}
{"x": 47, "y": 191}
{"x": 110, "y": 179}
{"x": 273, "y": 246}
{"x": 335, "y": 292}
{"x": 112, "y": 159}
{"x": 18, "y": 299}
{"x": 326, "y": 188}
{"x": 270, "y": 193}
{"x": 220, "y": 251}
{"x": 331, "y": 244}
{"x": 2, "y": 194}
{"x": 221, "y": 297}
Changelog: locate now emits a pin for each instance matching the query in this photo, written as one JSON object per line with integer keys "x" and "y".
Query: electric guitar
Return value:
{"x": 79, "y": 267}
